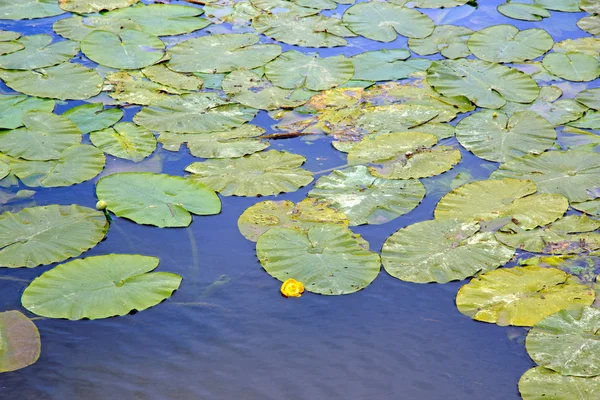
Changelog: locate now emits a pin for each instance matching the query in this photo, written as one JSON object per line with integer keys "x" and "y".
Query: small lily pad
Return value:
{"x": 93, "y": 117}
{"x": 125, "y": 140}
{"x": 523, "y": 12}
{"x": 448, "y": 40}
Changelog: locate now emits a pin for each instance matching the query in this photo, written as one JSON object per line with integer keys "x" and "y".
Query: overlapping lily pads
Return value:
{"x": 39, "y": 52}
{"x": 448, "y": 40}
{"x": 14, "y": 107}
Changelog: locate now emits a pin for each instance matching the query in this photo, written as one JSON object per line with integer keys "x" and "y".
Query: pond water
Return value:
{"x": 227, "y": 333}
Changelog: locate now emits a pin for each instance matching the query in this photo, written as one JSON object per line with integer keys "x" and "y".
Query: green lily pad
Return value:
{"x": 506, "y": 43}
{"x": 99, "y": 287}
{"x": 128, "y": 49}
{"x": 164, "y": 76}
{"x": 512, "y": 199}
{"x": 403, "y": 155}
{"x": 573, "y": 66}
{"x": 540, "y": 383}
{"x": 93, "y": 117}
{"x": 77, "y": 27}
{"x": 495, "y": 137}
{"x": 328, "y": 259}
{"x": 221, "y": 53}
{"x": 366, "y": 199}
{"x": 431, "y": 3}
{"x": 590, "y": 6}
{"x": 4, "y": 169}
{"x": 7, "y": 36}
{"x": 14, "y": 107}
{"x": 585, "y": 267}
{"x": 524, "y": 12}
{"x": 39, "y": 52}
{"x": 590, "y": 24}
{"x": 156, "y": 199}
{"x": 559, "y": 5}
{"x": 125, "y": 140}
{"x": 44, "y": 137}
{"x": 132, "y": 87}
{"x": 29, "y": 9}
{"x": 193, "y": 113}
{"x": 44, "y": 235}
{"x": 589, "y": 98}
{"x": 448, "y": 40}
{"x": 591, "y": 207}
{"x": 385, "y": 65}
{"x": 566, "y": 342}
{"x": 585, "y": 45}
{"x": 267, "y": 173}
{"x": 591, "y": 120}
{"x": 233, "y": 143}
{"x": 260, "y": 217}
{"x": 521, "y": 296}
{"x": 20, "y": 341}
{"x": 67, "y": 81}
{"x": 8, "y": 47}
{"x": 570, "y": 173}
{"x": 87, "y": 7}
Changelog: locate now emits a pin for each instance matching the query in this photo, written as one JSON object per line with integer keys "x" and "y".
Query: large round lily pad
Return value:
{"x": 267, "y": 173}
{"x": 567, "y": 342}
{"x": 78, "y": 27}
{"x": 39, "y": 52}
{"x": 442, "y": 251}
{"x": 156, "y": 199}
{"x": 328, "y": 259}
{"x": 44, "y": 235}
{"x": 506, "y": 43}
{"x": 125, "y": 140}
{"x": 521, "y": 296}
{"x": 99, "y": 287}
{"x": 29, "y": 9}
{"x": 366, "y": 199}
{"x": 20, "y": 344}
{"x": 87, "y": 7}
{"x": 573, "y": 66}
{"x": 540, "y": 383}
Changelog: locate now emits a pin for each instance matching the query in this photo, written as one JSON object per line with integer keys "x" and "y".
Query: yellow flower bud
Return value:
{"x": 101, "y": 205}
{"x": 292, "y": 288}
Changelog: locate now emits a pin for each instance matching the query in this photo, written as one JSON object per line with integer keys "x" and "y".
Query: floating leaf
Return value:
{"x": 156, "y": 199}
{"x": 485, "y": 84}
{"x": 513, "y": 199}
{"x": 86, "y": 7}
{"x": 524, "y": 12}
{"x": 99, "y": 287}
{"x": 566, "y": 342}
{"x": 590, "y": 24}
{"x": 590, "y": 98}
{"x": 133, "y": 88}
{"x": 13, "y": 108}
{"x": 572, "y": 66}
{"x": 39, "y": 52}
{"x": 559, "y": 5}
{"x": 540, "y": 383}
{"x": 128, "y": 49}
{"x": 125, "y": 140}
{"x": 584, "y": 267}
{"x": 20, "y": 344}
{"x": 77, "y": 27}
{"x": 448, "y": 40}
{"x": 93, "y": 117}
{"x": 383, "y": 65}
{"x": 267, "y": 173}
{"x": 506, "y": 43}
{"x": 28, "y": 9}
{"x": 585, "y": 45}
{"x": 67, "y": 81}
{"x": 495, "y": 137}
{"x": 44, "y": 235}
{"x": 328, "y": 259}
{"x": 234, "y": 143}
{"x": 366, "y": 199}
{"x": 164, "y": 76}
{"x": 521, "y": 296}
{"x": 260, "y": 217}
{"x": 221, "y": 53}
{"x": 4, "y": 170}
{"x": 431, "y": 3}
{"x": 591, "y": 6}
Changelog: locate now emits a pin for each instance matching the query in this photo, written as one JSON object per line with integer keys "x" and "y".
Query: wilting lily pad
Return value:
{"x": 125, "y": 140}
{"x": 448, "y": 40}
{"x": 540, "y": 383}
{"x": 521, "y": 296}
{"x": 495, "y": 137}
{"x": 156, "y": 199}
{"x": 221, "y": 53}
{"x": 267, "y": 173}
{"x": 44, "y": 137}
{"x": 39, "y": 52}
{"x": 234, "y": 143}
{"x": 13, "y": 107}
{"x": 86, "y": 7}
{"x": 567, "y": 342}
{"x": 506, "y": 43}
{"x": 524, "y": 12}
{"x": 573, "y": 66}
{"x": 132, "y": 87}
{"x": 442, "y": 251}
{"x": 585, "y": 267}
{"x": 512, "y": 199}
{"x": 29, "y": 9}
{"x": 20, "y": 344}
{"x": 77, "y": 27}
{"x": 99, "y": 287}
{"x": 366, "y": 199}
{"x": 570, "y": 173}
{"x": 260, "y": 217}
{"x": 328, "y": 259}
{"x": 381, "y": 21}
{"x": 164, "y": 76}
{"x": 67, "y": 81}
{"x": 44, "y": 235}
{"x": 93, "y": 117}
{"x": 129, "y": 49}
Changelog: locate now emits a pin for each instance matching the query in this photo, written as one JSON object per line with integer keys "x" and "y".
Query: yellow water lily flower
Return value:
{"x": 292, "y": 288}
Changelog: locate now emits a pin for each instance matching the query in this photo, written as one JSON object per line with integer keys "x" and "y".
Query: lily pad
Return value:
{"x": 87, "y": 7}
{"x": 521, "y": 296}
{"x": 573, "y": 66}
{"x": 585, "y": 267}
{"x": 4, "y": 169}
{"x": 566, "y": 342}
{"x": 19, "y": 341}
{"x": 512, "y": 199}
{"x": 494, "y": 136}
{"x": 67, "y": 81}
{"x": 485, "y": 84}
{"x": 161, "y": 74}
{"x": 93, "y": 117}
{"x": 44, "y": 137}
{"x": 156, "y": 199}
{"x": 590, "y": 24}
{"x": 125, "y": 140}
{"x": 366, "y": 199}
{"x": 14, "y": 107}
{"x": 221, "y": 53}
{"x": 44, "y": 235}
{"x": 540, "y": 383}
{"x": 267, "y": 173}
{"x": 77, "y": 27}
{"x": 585, "y": 45}
{"x": 506, "y": 43}
{"x": 589, "y": 98}
{"x": 385, "y": 65}
{"x": 431, "y": 3}
{"x": 524, "y": 12}
{"x": 559, "y": 5}
{"x": 39, "y": 52}
{"x": 381, "y": 21}
{"x": 260, "y": 217}
{"x": 328, "y": 259}
{"x": 99, "y": 287}
{"x": 128, "y": 49}
{"x": 233, "y": 143}
{"x": 132, "y": 87}
{"x": 29, "y": 9}
{"x": 442, "y": 251}
{"x": 448, "y": 40}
